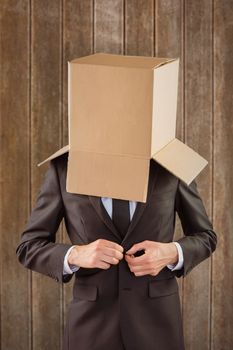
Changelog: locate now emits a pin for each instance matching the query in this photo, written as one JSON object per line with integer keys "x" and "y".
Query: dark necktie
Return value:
{"x": 121, "y": 215}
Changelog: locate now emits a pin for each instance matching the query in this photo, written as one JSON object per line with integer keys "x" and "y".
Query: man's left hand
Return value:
{"x": 157, "y": 255}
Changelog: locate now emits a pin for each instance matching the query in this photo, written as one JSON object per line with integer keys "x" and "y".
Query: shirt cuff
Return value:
{"x": 67, "y": 268}
{"x": 180, "y": 262}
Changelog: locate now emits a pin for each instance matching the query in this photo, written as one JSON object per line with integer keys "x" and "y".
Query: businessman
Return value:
{"x": 123, "y": 258}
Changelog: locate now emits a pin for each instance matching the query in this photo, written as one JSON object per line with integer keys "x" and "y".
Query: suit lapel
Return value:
{"x": 101, "y": 211}
{"x": 140, "y": 207}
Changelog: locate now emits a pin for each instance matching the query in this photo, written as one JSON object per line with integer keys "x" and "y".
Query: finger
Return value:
{"x": 144, "y": 272}
{"x": 109, "y": 259}
{"x": 136, "y": 261}
{"x": 103, "y": 265}
{"x": 114, "y": 245}
{"x": 139, "y": 268}
{"x": 113, "y": 252}
{"x": 136, "y": 247}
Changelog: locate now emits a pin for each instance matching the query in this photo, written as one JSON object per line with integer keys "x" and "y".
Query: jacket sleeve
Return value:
{"x": 37, "y": 249}
{"x": 199, "y": 240}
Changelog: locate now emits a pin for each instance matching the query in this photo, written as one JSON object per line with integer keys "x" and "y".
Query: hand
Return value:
{"x": 100, "y": 253}
{"x": 157, "y": 256}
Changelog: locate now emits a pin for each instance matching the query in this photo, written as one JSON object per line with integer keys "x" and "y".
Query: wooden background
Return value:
{"x": 38, "y": 37}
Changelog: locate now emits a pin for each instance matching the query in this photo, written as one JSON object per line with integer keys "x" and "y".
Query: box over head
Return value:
{"x": 122, "y": 113}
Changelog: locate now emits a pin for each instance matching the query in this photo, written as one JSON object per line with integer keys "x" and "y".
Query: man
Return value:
{"x": 125, "y": 293}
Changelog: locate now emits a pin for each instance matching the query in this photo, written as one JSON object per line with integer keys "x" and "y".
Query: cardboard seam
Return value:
{"x": 165, "y": 146}
{"x": 125, "y": 67}
{"x": 112, "y": 154}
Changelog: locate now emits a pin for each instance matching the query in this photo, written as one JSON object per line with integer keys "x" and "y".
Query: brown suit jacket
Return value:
{"x": 113, "y": 308}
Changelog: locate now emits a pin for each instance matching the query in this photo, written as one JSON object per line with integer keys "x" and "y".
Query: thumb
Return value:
{"x": 136, "y": 247}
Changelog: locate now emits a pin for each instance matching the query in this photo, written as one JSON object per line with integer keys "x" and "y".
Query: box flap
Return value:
{"x": 106, "y": 175}
{"x": 180, "y": 160}
{"x": 128, "y": 61}
{"x": 56, "y": 154}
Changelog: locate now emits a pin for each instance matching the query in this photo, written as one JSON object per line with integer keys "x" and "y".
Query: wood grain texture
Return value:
{"x": 15, "y": 172}
{"x": 108, "y": 26}
{"x": 198, "y": 135}
{"x": 222, "y": 302}
{"x": 139, "y": 27}
{"x": 38, "y": 37}
{"x": 169, "y": 31}
{"x": 77, "y": 42}
{"x": 45, "y": 139}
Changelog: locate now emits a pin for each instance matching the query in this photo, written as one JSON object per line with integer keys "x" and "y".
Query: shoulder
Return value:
{"x": 61, "y": 160}
{"x": 163, "y": 177}
{"x": 60, "y": 164}
{"x": 161, "y": 171}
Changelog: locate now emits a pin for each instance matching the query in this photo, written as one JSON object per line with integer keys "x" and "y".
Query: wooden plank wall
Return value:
{"x": 38, "y": 37}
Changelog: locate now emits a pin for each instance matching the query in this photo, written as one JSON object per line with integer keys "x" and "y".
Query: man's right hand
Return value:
{"x": 100, "y": 253}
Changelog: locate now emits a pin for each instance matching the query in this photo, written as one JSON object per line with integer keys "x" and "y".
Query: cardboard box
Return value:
{"x": 122, "y": 113}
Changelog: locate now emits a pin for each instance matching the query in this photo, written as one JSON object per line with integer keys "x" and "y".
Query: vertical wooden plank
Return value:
{"x": 169, "y": 43}
{"x": 77, "y": 42}
{"x": 198, "y": 135}
{"x": 14, "y": 176}
{"x": 108, "y": 26}
{"x": 45, "y": 139}
{"x": 139, "y": 27}
{"x": 222, "y": 335}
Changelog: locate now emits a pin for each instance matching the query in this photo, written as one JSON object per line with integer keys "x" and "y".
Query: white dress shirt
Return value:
{"x": 107, "y": 202}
